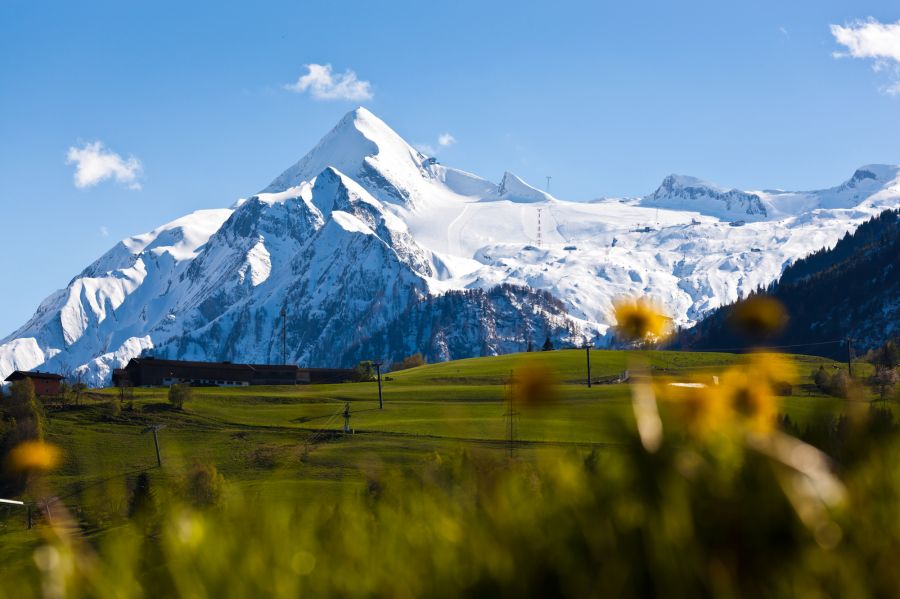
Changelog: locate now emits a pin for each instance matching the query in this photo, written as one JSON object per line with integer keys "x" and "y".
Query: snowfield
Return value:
{"x": 365, "y": 229}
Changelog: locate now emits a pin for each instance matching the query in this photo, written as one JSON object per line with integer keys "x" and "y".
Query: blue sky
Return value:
{"x": 191, "y": 107}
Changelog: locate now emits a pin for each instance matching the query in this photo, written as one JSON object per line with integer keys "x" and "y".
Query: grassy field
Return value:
{"x": 286, "y": 441}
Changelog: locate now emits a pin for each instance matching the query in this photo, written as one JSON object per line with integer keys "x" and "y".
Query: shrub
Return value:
{"x": 202, "y": 485}
{"x": 264, "y": 457}
{"x": 364, "y": 371}
{"x": 884, "y": 380}
{"x": 821, "y": 379}
{"x": 142, "y": 502}
{"x": 24, "y": 409}
{"x": 180, "y": 394}
{"x": 782, "y": 388}
{"x": 837, "y": 383}
{"x": 409, "y": 362}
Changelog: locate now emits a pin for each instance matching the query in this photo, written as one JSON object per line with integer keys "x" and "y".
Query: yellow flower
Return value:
{"x": 640, "y": 320}
{"x": 33, "y": 456}
{"x": 701, "y": 408}
{"x": 758, "y": 316}
{"x": 533, "y": 384}
{"x": 751, "y": 398}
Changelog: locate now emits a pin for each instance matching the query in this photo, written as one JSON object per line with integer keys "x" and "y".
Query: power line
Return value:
{"x": 714, "y": 349}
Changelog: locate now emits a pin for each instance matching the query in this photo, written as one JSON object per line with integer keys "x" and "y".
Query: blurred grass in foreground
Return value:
{"x": 737, "y": 510}
{"x": 710, "y": 488}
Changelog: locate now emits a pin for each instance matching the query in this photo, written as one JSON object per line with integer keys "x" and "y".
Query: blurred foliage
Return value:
{"x": 724, "y": 507}
{"x": 758, "y": 317}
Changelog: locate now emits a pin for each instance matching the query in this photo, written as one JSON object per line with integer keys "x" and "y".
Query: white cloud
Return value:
{"x": 784, "y": 31}
{"x": 869, "y": 39}
{"x": 323, "y": 84}
{"x": 95, "y": 163}
{"x": 104, "y": 232}
{"x": 872, "y": 40}
{"x": 445, "y": 139}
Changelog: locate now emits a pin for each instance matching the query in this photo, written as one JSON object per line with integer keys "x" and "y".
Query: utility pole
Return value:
{"x": 377, "y": 364}
{"x": 347, "y": 418}
{"x": 283, "y": 336}
{"x": 548, "y": 183}
{"x": 510, "y": 418}
{"x": 850, "y": 356}
{"x": 587, "y": 348}
{"x": 155, "y": 428}
{"x": 540, "y": 231}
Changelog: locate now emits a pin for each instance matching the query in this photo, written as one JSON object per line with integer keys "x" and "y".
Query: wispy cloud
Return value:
{"x": 427, "y": 149}
{"x": 870, "y": 39}
{"x": 445, "y": 139}
{"x": 95, "y": 163}
{"x": 323, "y": 84}
{"x": 104, "y": 232}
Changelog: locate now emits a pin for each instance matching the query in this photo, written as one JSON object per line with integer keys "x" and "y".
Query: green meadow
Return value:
{"x": 288, "y": 441}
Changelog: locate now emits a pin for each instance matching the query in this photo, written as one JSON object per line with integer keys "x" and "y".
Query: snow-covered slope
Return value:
{"x": 365, "y": 229}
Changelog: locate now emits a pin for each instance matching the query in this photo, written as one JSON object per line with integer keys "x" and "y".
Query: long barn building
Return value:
{"x": 153, "y": 372}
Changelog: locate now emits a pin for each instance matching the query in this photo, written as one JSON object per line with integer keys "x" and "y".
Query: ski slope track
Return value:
{"x": 358, "y": 239}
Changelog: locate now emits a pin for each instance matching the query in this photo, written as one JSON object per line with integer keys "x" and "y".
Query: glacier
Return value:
{"x": 359, "y": 240}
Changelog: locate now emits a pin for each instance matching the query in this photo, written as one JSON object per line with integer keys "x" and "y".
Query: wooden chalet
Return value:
{"x": 46, "y": 384}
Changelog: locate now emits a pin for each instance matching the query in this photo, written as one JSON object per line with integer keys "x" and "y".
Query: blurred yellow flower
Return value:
{"x": 701, "y": 408}
{"x": 33, "y": 456}
{"x": 533, "y": 384}
{"x": 758, "y": 316}
{"x": 640, "y": 320}
{"x": 751, "y": 399}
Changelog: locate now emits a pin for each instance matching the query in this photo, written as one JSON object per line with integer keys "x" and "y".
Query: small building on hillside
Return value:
{"x": 46, "y": 384}
{"x": 154, "y": 372}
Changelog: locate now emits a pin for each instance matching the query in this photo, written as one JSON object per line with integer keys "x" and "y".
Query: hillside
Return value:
{"x": 850, "y": 290}
{"x": 358, "y": 241}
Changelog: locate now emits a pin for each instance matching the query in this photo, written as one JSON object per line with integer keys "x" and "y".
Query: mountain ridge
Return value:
{"x": 364, "y": 228}
{"x": 849, "y": 290}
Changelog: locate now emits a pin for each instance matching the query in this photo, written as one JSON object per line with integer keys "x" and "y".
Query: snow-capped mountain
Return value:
{"x": 357, "y": 242}
{"x": 680, "y": 192}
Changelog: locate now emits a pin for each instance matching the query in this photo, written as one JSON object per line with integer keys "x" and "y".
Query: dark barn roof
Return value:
{"x": 152, "y": 371}
{"x": 24, "y": 374}
{"x": 144, "y": 372}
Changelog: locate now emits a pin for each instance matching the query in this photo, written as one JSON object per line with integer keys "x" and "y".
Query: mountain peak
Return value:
{"x": 364, "y": 148}
{"x": 515, "y": 189}
{"x": 876, "y": 172}
{"x": 691, "y": 193}
{"x": 675, "y": 182}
